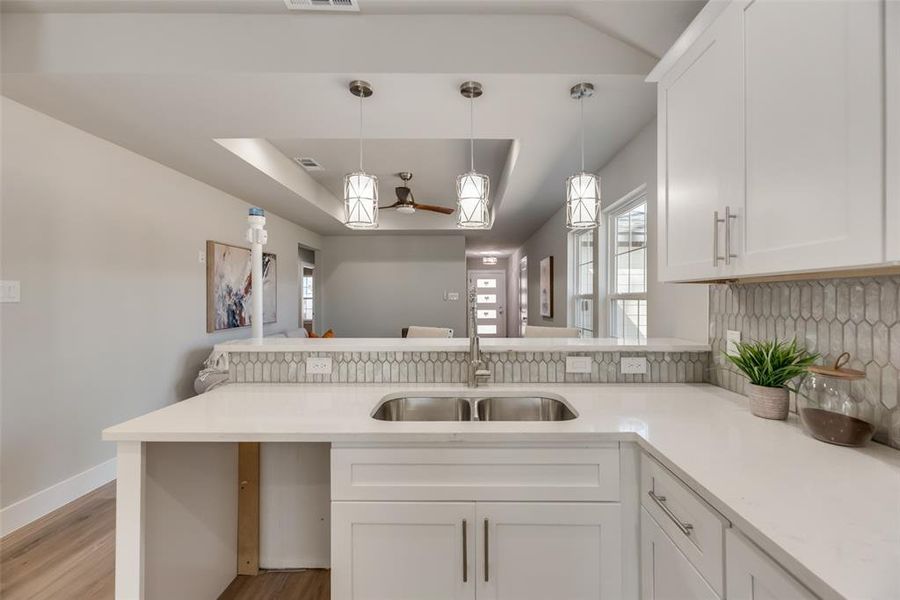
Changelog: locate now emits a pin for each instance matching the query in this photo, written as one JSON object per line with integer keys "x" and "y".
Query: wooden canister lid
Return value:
{"x": 838, "y": 370}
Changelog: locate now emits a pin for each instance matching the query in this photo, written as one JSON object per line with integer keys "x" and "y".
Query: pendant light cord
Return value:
{"x": 360, "y": 133}
{"x": 472, "y": 134}
{"x": 581, "y": 103}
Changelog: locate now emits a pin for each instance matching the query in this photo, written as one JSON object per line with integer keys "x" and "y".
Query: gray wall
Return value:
{"x": 550, "y": 240}
{"x": 674, "y": 310}
{"x": 374, "y": 285}
{"x": 112, "y": 322}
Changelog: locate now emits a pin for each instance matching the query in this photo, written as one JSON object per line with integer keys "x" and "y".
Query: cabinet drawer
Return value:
{"x": 489, "y": 473}
{"x": 696, "y": 528}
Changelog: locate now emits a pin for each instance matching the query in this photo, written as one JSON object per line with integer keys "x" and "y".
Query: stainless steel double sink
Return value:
{"x": 488, "y": 407}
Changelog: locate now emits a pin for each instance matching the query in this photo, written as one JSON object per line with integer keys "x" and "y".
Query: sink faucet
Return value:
{"x": 477, "y": 367}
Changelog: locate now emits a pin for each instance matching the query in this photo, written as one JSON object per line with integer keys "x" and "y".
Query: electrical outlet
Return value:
{"x": 320, "y": 365}
{"x": 452, "y": 296}
{"x": 10, "y": 291}
{"x": 578, "y": 364}
{"x": 634, "y": 365}
{"x": 201, "y": 257}
{"x": 732, "y": 339}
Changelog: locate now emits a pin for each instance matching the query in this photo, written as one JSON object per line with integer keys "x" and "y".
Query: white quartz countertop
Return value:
{"x": 276, "y": 344}
{"x": 830, "y": 515}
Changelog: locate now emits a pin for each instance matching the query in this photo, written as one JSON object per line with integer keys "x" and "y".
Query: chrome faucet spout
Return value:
{"x": 477, "y": 367}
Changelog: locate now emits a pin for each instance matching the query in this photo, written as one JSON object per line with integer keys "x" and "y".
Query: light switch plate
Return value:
{"x": 634, "y": 365}
{"x": 320, "y": 365}
{"x": 10, "y": 291}
{"x": 732, "y": 339}
{"x": 578, "y": 364}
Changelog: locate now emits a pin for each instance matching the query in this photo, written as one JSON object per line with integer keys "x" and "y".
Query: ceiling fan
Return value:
{"x": 406, "y": 202}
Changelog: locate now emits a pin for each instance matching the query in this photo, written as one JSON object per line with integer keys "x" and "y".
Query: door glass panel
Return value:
{"x": 487, "y": 314}
{"x": 486, "y": 283}
{"x": 487, "y": 299}
{"x": 487, "y": 330}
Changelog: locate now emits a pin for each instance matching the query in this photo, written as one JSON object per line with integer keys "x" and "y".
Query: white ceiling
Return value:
{"x": 282, "y": 81}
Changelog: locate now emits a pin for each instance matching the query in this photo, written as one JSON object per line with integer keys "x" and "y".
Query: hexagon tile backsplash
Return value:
{"x": 829, "y": 316}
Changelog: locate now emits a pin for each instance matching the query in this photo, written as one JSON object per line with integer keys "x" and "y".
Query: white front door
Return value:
{"x": 490, "y": 302}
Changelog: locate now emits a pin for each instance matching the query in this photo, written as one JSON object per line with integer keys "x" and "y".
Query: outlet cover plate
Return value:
{"x": 10, "y": 291}
{"x": 634, "y": 365}
{"x": 320, "y": 365}
{"x": 732, "y": 339}
{"x": 578, "y": 364}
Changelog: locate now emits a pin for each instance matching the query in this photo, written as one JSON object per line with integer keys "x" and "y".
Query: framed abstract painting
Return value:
{"x": 229, "y": 287}
{"x": 546, "y": 289}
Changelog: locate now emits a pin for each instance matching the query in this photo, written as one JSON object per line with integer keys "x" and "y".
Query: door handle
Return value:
{"x": 486, "y": 550}
{"x": 716, "y": 221}
{"x": 728, "y": 218}
{"x": 465, "y": 552}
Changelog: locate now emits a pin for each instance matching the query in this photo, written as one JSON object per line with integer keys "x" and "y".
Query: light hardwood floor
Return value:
{"x": 70, "y": 555}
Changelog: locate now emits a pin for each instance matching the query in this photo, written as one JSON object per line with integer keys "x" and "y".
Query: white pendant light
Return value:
{"x": 582, "y": 189}
{"x": 472, "y": 189}
{"x": 360, "y": 188}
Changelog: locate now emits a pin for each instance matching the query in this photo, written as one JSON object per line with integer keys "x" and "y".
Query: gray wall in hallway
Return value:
{"x": 374, "y": 285}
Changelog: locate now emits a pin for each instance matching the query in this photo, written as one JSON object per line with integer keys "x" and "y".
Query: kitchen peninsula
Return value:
{"x": 680, "y": 472}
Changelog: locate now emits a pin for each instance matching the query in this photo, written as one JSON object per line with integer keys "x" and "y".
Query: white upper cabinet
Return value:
{"x": 776, "y": 111}
{"x": 814, "y": 135}
{"x": 699, "y": 157}
{"x": 892, "y": 113}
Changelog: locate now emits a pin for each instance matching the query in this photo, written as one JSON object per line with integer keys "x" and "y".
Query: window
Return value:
{"x": 307, "y": 294}
{"x": 628, "y": 270}
{"x": 584, "y": 281}
{"x": 523, "y": 295}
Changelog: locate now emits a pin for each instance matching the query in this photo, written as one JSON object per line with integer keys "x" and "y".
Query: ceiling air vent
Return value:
{"x": 310, "y": 164}
{"x": 332, "y": 5}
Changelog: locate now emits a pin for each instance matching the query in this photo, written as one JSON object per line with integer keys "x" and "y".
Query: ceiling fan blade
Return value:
{"x": 433, "y": 208}
{"x": 394, "y": 205}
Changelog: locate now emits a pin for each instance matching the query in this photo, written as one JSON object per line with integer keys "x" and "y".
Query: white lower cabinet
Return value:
{"x": 666, "y": 573}
{"x": 537, "y": 551}
{"x": 751, "y": 575}
{"x": 403, "y": 550}
{"x": 485, "y": 550}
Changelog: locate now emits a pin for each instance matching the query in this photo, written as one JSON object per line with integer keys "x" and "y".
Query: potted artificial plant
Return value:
{"x": 769, "y": 367}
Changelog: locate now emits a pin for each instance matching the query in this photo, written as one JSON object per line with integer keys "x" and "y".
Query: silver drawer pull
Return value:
{"x": 685, "y": 528}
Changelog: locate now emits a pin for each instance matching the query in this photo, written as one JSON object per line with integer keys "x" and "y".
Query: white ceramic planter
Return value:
{"x": 767, "y": 402}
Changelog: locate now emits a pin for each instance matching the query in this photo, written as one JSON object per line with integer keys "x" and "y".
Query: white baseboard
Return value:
{"x": 37, "y": 505}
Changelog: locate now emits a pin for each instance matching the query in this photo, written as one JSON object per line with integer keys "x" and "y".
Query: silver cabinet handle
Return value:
{"x": 716, "y": 221}
{"x": 486, "y": 548}
{"x": 727, "y": 221}
{"x": 465, "y": 528}
{"x": 685, "y": 528}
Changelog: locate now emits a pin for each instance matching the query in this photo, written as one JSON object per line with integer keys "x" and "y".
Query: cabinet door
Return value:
{"x": 751, "y": 575}
{"x": 666, "y": 573}
{"x": 402, "y": 550}
{"x": 700, "y": 161}
{"x": 814, "y": 135}
{"x": 892, "y": 114}
{"x": 536, "y": 551}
